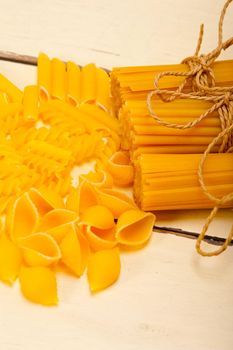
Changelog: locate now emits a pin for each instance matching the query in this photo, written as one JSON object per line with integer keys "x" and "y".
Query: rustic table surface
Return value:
{"x": 167, "y": 297}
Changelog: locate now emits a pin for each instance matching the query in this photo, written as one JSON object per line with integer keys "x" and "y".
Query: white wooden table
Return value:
{"x": 167, "y": 297}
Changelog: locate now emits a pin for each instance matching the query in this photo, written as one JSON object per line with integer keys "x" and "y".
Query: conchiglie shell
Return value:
{"x": 82, "y": 198}
{"x": 59, "y": 232}
{"x": 120, "y": 168}
{"x": 75, "y": 251}
{"x": 103, "y": 269}
{"x": 38, "y": 284}
{"x": 40, "y": 249}
{"x": 45, "y": 200}
{"x": 4, "y": 201}
{"x": 57, "y": 217}
{"x": 100, "y": 179}
{"x": 134, "y": 227}
{"x": 117, "y": 202}
{"x": 100, "y": 239}
{"x": 98, "y": 216}
{"x": 10, "y": 260}
{"x": 22, "y": 218}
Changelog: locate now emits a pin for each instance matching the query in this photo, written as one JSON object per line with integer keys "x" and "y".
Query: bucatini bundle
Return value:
{"x": 170, "y": 181}
{"x": 141, "y": 133}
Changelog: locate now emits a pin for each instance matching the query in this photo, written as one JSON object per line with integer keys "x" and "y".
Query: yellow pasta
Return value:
{"x": 10, "y": 117}
{"x": 98, "y": 216}
{"x": 40, "y": 249}
{"x": 103, "y": 269}
{"x": 116, "y": 201}
{"x": 103, "y": 90}
{"x": 44, "y": 76}
{"x": 57, "y": 217}
{"x": 100, "y": 179}
{"x": 10, "y": 260}
{"x": 58, "y": 79}
{"x": 134, "y": 227}
{"x": 13, "y": 93}
{"x": 82, "y": 198}
{"x": 45, "y": 134}
{"x": 38, "y": 284}
{"x": 120, "y": 168}
{"x": 100, "y": 239}
{"x": 45, "y": 200}
{"x": 88, "y": 79}
{"x": 97, "y": 223}
{"x": 75, "y": 251}
{"x": 30, "y": 103}
{"x": 73, "y": 83}
{"x": 22, "y": 218}
{"x": 3, "y": 98}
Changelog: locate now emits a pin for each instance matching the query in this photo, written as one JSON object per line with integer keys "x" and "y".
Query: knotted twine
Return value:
{"x": 203, "y": 87}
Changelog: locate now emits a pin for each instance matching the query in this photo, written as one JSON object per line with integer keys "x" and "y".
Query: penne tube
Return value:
{"x": 44, "y": 76}
{"x": 58, "y": 79}
{"x": 12, "y": 92}
{"x": 73, "y": 83}
{"x": 31, "y": 102}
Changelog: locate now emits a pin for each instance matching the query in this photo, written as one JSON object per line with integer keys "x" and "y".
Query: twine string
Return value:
{"x": 203, "y": 87}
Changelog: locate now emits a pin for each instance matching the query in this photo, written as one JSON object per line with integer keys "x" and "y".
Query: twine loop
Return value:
{"x": 203, "y": 87}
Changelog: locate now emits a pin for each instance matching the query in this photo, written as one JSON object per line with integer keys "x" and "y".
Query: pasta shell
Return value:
{"x": 22, "y": 218}
{"x": 116, "y": 201}
{"x": 100, "y": 239}
{"x": 100, "y": 179}
{"x": 40, "y": 249}
{"x": 10, "y": 260}
{"x": 82, "y": 198}
{"x": 103, "y": 269}
{"x": 55, "y": 218}
{"x": 75, "y": 251}
{"x": 59, "y": 232}
{"x": 120, "y": 168}
{"x": 45, "y": 200}
{"x": 38, "y": 284}
{"x": 134, "y": 227}
{"x": 98, "y": 216}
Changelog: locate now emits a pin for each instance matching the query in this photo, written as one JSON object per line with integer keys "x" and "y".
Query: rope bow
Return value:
{"x": 203, "y": 87}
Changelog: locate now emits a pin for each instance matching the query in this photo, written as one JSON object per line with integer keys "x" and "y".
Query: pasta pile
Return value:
{"x": 166, "y": 182}
{"x": 141, "y": 133}
{"x": 166, "y": 159}
{"x": 50, "y": 217}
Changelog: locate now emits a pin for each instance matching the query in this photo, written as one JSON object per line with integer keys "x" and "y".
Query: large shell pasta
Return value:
{"x": 22, "y": 218}
{"x": 75, "y": 251}
{"x": 100, "y": 239}
{"x": 134, "y": 227}
{"x": 38, "y": 284}
{"x": 101, "y": 179}
{"x": 10, "y": 260}
{"x": 117, "y": 202}
{"x": 56, "y": 222}
{"x": 45, "y": 200}
{"x": 98, "y": 216}
{"x": 40, "y": 249}
{"x": 120, "y": 168}
{"x": 82, "y": 198}
{"x": 103, "y": 269}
